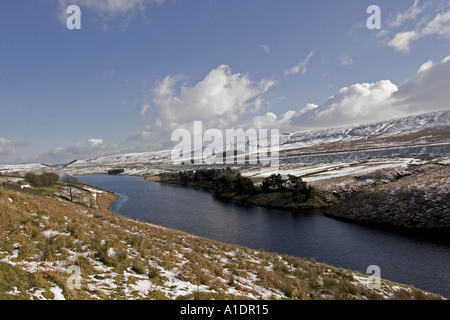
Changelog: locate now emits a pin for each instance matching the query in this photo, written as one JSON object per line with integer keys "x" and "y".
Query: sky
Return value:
{"x": 136, "y": 70}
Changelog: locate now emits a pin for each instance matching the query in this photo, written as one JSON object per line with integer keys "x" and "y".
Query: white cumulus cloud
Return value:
{"x": 361, "y": 102}
{"x": 427, "y": 91}
{"x": 402, "y": 40}
{"x": 219, "y": 100}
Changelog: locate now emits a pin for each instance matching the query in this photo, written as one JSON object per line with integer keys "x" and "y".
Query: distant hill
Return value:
{"x": 390, "y": 128}
{"x": 395, "y": 127}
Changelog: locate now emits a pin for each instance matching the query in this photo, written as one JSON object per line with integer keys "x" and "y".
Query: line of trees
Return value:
{"x": 115, "y": 171}
{"x": 294, "y": 184}
{"x": 229, "y": 182}
{"x": 42, "y": 180}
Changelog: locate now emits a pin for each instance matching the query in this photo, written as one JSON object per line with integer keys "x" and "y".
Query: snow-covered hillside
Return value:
{"x": 20, "y": 169}
{"x": 395, "y": 127}
{"x": 126, "y": 158}
{"x": 367, "y": 141}
{"x": 291, "y": 141}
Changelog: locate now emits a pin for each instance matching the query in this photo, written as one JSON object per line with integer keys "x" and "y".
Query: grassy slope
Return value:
{"x": 121, "y": 258}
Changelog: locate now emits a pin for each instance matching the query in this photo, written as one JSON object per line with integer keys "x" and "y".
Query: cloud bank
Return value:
{"x": 426, "y": 91}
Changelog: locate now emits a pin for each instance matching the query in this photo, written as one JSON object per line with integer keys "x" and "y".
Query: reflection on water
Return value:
{"x": 120, "y": 202}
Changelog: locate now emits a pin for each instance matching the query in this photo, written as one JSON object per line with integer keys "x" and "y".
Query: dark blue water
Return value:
{"x": 405, "y": 259}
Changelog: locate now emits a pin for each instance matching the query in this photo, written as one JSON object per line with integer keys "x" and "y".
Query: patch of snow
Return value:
{"x": 15, "y": 254}
{"x": 179, "y": 287}
{"x": 49, "y": 233}
{"x": 111, "y": 253}
{"x": 37, "y": 294}
{"x": 143, "y": 287}
{"x": 14, "y": 291}
{"x": 94, "y": 191}
{"x": 57, "y": 293}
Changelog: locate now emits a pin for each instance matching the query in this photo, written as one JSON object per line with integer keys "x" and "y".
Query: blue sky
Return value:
{"x": 139, "y": 69}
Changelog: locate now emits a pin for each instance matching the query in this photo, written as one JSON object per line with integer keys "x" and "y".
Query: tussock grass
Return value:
{"x": 13, "y": 279}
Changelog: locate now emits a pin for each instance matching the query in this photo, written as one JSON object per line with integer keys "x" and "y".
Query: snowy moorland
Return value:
{"x": 419, "y": 136}
{"x": 51, "y": 248}
{"x": 62, "y": 242}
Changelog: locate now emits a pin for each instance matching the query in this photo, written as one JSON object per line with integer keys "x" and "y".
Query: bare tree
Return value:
{"x": 71, "y": 181}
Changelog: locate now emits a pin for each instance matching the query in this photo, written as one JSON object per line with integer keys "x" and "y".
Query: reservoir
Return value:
{"x": 407, "y": 259}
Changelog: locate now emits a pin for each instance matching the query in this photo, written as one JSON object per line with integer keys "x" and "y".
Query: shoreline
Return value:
{"x": 323, "y": 208}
